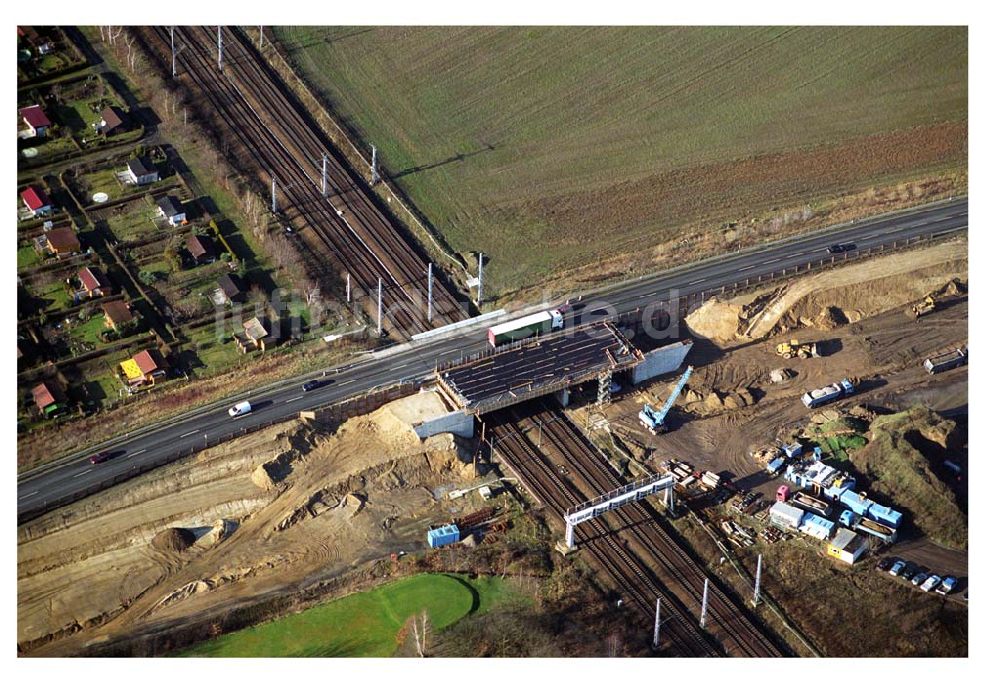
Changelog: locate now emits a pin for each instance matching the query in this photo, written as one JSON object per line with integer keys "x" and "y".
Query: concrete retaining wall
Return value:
{"x": 661, "y": 361}
{"x": 457, "y": 422}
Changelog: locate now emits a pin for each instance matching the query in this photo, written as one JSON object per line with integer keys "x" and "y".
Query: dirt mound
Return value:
{"x": 836, "y": 296}
{"x": 715, "y": 320}
{"x": 829, "y": 318}
{"x": 706, "y": 403}
{"x": 903, "y": 461}
{"x": 221, "y": 530}
{"x": 270, "y": 475}
{"x": 174, "y": 539}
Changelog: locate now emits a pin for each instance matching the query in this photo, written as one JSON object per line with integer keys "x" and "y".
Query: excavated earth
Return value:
{"x": 271, "y": 511}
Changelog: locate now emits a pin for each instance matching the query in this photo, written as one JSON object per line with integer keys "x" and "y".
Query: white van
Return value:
{"x": 239, "y": 409}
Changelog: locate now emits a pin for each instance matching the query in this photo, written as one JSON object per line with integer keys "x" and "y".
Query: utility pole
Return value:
{"x": 380, "y": 306}
{"x": 173, "y": 55}
{"x": 374, "y": 168}
{"x": 756, "y": 587}
{"x": 324, "y": 174}
{"x": 656, "y": 625}
{"x": 479, "y": 287}
{"x": 260, "y": 40}
{"x": 704, "y": 605}
{"x": 430, "y": 290}
{"x": 220, "y": 47}
{"x": 274, "y": 195}
{"x": 348, "y": 287}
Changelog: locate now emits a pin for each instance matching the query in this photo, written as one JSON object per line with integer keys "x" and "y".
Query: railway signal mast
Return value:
{"x": 756, "y": 587}
{"x": 380, "y": 306}
{"x": 704, "y": 605}
{"x": 374, "y": 168}
{"x": 430, "y": 289}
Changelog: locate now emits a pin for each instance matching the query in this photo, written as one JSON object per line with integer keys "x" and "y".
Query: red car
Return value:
{"x": 100, "y": 457}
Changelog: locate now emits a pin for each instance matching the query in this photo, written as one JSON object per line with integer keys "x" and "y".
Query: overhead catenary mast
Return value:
{"x": 220, "y": 47}
{"x": 374, "y": 168}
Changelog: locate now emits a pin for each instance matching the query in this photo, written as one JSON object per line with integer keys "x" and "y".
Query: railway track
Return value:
{"x": 278, "y": 141}
{"x": 726, "y": 620}
{"x": 632, "y": 577}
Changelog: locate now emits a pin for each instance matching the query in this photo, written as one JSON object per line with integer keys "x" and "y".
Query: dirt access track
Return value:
{"x": 268, "y": 513}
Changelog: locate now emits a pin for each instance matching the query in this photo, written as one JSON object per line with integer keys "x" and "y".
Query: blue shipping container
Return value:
{"x": 445, "y": 535}
{"x": 854, "y": 501}
{"x": 887, "y": 516}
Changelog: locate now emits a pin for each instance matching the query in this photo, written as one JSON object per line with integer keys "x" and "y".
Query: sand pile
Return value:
{"x": 837, "y": 296}
{"x": 174, "y": 539}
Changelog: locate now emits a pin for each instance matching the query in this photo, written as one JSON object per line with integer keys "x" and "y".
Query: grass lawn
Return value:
{"x": 89, "y": 331}
{"x": 550, "y": 147}
{"x": 214, "y": 355}
{"x": 103, "y": 181}
{"x": 133, "y": 222}
{"x": 52, "y": 147}
{"x": 55, "y": 293}
{"x": 27, "y": 257}
{"x": 363, "y": 624}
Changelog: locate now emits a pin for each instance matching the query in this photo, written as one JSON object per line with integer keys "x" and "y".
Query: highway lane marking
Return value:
{"x": 771, "y": 261}
{"x": 190, "y": 433}
{"x": 453, "y": 350}
{"x": 298, "y": 397}
{"x": 699, "y": 281}
{"x": 344, "y": 383}
{"x": 27, "y": 495}
{"x": 398, "y": 366}
{"x": 83, "y": 473}
{"x": 136, "y": 453}
{"x": 652, "y": 293}
{"x": 746, "y": 268}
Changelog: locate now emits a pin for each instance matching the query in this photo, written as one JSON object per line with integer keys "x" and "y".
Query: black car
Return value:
{"x": 886, "y": 563}
{"x": 909, "y": 571}
{"x": 100, "y": 457}
{"x": 840, "y": 248}
{"x": 311, "y": 385}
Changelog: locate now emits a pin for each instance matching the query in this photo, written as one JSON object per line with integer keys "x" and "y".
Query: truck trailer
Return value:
{"x": 535, "y": 324}
{"x": 834, "y": 391}
{"x": 935, "y": 364}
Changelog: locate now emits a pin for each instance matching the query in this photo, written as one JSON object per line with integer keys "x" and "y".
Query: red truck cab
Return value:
{"x": 782, "y": 494}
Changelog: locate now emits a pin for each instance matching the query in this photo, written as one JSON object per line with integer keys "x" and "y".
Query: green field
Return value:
{"x": 363, "y": 624}
{"x": 550, "y": 147}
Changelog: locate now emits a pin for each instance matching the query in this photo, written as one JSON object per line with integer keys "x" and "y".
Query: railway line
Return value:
{"x": 634, "y": 579}
{"x": 276, "y": 140}
{"x": 726, "y": 620}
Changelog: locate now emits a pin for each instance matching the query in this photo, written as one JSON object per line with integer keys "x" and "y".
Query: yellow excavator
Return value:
{"x": 924, "y": 307}
{"x": 801, "y": 350}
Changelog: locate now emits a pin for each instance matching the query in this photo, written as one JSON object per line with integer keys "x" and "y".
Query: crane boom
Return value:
{"x": 655, "y": 419}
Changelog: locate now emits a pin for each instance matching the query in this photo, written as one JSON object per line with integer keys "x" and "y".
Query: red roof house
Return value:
{"x": 151, "y": 363}
{"x": 36, "y": 119}
{"x": 94, "y": 282}
{"x": 62, "y": 241}
{"x": 36, "y": 200}
{"x": 46, "y": 394}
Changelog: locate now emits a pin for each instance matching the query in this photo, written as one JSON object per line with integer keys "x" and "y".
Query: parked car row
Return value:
{"x": 909, "y": 571}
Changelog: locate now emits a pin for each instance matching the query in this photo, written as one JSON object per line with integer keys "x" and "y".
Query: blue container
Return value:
{"x": 853, "y": 501}
{"x": 445, "y": 535}
{"x": 775, "y": 465}
{"x": 792, "y": 450}
{"x": 886, "y": 516}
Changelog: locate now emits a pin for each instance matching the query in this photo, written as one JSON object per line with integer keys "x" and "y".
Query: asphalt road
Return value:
{"x": 416, "y": 360}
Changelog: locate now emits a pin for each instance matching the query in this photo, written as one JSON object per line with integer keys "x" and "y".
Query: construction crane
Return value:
{"x": 656, "y": 419}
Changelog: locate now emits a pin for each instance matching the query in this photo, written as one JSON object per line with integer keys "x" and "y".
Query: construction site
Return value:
{"x": 272, "y": 513}
{"x": 709, "y": 460}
